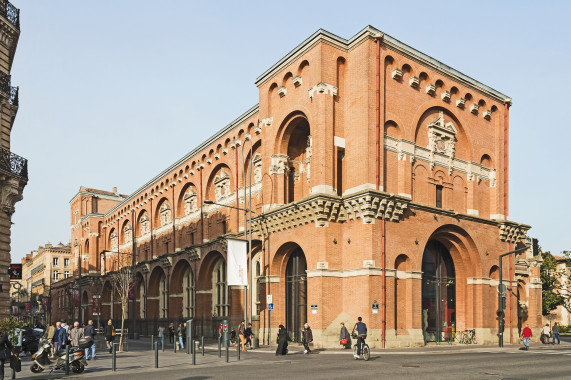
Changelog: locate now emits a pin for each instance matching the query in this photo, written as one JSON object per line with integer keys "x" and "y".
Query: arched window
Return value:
{"x": 163, "y": 297}
{"x": 165, "y": 213}
{"x": 187, "y": 294}
{"x": 219, "y": 289}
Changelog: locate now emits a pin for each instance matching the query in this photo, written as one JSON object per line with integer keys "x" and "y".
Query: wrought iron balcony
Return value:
{"x": 13, "y": 99}
{"x": 13, "y": 163}
{"x": 10, "y": 13}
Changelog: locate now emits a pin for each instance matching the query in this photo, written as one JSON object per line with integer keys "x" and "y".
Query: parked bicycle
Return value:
{"x": 467, "y": 337}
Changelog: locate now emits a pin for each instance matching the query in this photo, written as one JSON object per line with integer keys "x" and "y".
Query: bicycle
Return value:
{"x": 467, "y": 337}
{"x": 365, "y": 350}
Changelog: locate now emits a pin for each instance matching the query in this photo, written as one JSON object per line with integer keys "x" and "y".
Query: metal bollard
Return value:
{"x": 193, "y": 353}
{"x": 238, "y": 350}
{"x": 219, "y": 346}
{"x": 152, "y": 342}
{"x": 163, "y": 343}
{"x": 114, "y": 357}
{"x": 156, "y": 354}
{"x": 175, "y": 346}
{"x": 227, "y": 352}
{"x": 202, "y": 344}
{"x": 67, "y": 359}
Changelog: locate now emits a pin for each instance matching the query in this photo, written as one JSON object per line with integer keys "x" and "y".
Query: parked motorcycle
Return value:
{"x": 77, "y": 360}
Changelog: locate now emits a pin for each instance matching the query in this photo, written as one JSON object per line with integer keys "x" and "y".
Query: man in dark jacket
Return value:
{"x": 60, "y": 337}
{"x": 89, "y": 331}
{"x": 307, "y": 337}
{"x": 556, "y": 330}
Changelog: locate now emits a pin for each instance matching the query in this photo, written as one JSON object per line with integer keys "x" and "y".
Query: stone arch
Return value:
{"x": 220, "y": 183}
{"x": 440, "y": 116}
{"x": 182, "y": 291}
{"x": 187, "y": 200}
{"x": 272, "y": 96}
{"x": 113, "y": 240}
{"x": 303, "y": 67}
{"x": 107, "y": 300}
{"x": 420, "y": 185}
{"x": 458, "y": 198}
{"x": 157, "y": 294}
{"x": 141, "y": 291}
{"x": 212, "y": 293}
{"x": 486, "y": 161}
{"x": 494, "y": 273}
{"x": 143, "y": 225}
{"x": 256, "y": 161}
{"x": 163, "y": 213}
{"x": 402, "y": 294}
{"x": 287, "y": 76}
{"x": 126, "y": 232}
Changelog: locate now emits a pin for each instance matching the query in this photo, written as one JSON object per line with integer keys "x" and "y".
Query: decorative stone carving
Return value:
{"x": 209, "y": 160}
{"x": 513, "y": 232}
{"x": 224, "y": 151}
{"x": 267, "y": 121}
{"x": 323, "y": 88}
{"x": 221, "y": 185}
{"x": 114, "y": 242}
{"x": 430, "y": 89}
{"x": 414, "y": 81}
{"x": 216, "y": 156}
{"x": 308, "y": 154}
{"x": 370, "y": 206}
{"x": 127, "y": 233}
{"x": 397, "y": 74}
{"x": 474, "y": 108}
{"x": 12, "y": 189}
{"x": 445, "y": 96}
{"x": 460, "y": 102}
{"x": 145, "y": 224}
{"x": 279, "y": 164}
{"x": 190, "y": 201}
{"x": 487, "y": 114}
{"x": 282, "y": 91}
{"x": 297, "y": 80}
{"x": 441, "y": 139}
{"x": 247, "y": 137}
{"x": 258, "y": 129}
{"x": 257, "y": 161}
{"x": 165, "y": 214}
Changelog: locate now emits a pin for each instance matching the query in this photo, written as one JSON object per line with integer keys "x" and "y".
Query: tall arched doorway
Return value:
{"x": 296, "y": 294}
{"x": 438, "y": 293}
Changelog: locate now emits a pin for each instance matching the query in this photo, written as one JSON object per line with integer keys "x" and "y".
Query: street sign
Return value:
{"x": 15, "y": 271}
{"x": 225, "y": 328}
{"x": 313, "y": 309}
{"x": 375, "y": 307}
{"x": 269, "y": 299}
{"x": 271, "y": 306}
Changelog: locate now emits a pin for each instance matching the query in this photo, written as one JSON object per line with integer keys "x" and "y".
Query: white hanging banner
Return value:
{"x": 237, "y": 268}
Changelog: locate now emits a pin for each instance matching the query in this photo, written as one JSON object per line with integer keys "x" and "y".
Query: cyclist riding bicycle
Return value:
{"x": 361, "y": 335}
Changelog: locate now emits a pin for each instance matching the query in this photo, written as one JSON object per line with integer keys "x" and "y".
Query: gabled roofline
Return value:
{"x": 370, "y": 32}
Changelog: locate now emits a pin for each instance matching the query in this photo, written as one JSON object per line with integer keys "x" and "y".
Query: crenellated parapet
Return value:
{"x": 512, "y": 232}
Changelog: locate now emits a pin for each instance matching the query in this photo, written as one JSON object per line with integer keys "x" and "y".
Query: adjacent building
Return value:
{"x": 378, "y": 178}
{"x": 13, "y": 168}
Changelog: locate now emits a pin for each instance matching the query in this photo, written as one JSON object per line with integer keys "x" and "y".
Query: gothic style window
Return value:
{"x": 439, "y": 196}
{"x": 165, "y": 212}
{"x": 163, "y": 297}
{"x": 257, "y": 160}
{"x": 222, "y": 185}
{"x": 114, "y": 242}
{"x": 219, "y": 293}
{"x": 127, "y": 233}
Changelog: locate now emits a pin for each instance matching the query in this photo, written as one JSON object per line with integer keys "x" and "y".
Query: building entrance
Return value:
{"x": 296, "y": 294}
{"x": 438, "y": 293}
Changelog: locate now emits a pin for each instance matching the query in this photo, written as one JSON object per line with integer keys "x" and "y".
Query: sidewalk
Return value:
{"x": 140, "y": 357}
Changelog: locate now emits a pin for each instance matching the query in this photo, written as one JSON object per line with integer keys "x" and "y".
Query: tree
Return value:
{"x": 122, "y": 280}
{"x": 554, "y": 284}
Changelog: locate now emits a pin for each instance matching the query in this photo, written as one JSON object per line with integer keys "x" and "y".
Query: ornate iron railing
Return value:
{"x": 5, "y": 81}
{"x": 13, "y": 100}
{"x": 10, "y": 13}
{"x": 13, "y": 163}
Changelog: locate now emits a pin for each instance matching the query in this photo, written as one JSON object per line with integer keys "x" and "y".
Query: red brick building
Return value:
{"x": 379, "y": 177}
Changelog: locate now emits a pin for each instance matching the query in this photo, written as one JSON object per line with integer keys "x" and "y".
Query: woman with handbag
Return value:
{"x": 109, "y": 333}
{"x": 4, "y": 346}
{"x": 344, "y": 337}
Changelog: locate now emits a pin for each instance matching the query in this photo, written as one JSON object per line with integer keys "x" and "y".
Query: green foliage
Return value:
{"x": 550, "y": 284}
{"x": 8, "y": 325}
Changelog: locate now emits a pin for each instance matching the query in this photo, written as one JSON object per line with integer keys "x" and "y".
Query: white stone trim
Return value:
{"x": 339, "y": 142}
{"x": 322, "y": 189}
{"x": 497, "y": 216}
{"x": 356, "y": 189}
{"x": 323, "y": 88}
{"x": 471, "y": 211}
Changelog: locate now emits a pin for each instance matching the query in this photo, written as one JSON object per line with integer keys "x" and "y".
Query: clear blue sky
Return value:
{"x": 113, "y": 92}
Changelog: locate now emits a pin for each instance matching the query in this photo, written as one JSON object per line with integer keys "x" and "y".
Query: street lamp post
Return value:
{"x": 246, "y": 210}
{"x": 249, "y": 211}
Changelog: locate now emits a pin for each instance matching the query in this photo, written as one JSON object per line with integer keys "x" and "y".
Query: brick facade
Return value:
{"x": 370, "y": 161}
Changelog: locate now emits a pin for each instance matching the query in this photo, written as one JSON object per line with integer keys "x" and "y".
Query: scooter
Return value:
{"x": 77, "y": 360}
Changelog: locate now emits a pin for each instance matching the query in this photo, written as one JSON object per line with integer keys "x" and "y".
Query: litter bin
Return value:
{"x": 255, "y": 343}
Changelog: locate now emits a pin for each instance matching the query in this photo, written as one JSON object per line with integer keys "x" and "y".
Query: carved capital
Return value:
{"x": 12, "y": 189}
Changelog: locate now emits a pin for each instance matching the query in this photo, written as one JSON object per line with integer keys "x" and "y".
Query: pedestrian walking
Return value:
{"x": 556, "y": 331}
{"x": 171, "y": 333}
{"x": 109, "y": 333}
{"x": 60, "y": 337}
{"x": 283, "y": 339}
{"x": 66, "y": 327}
{"x": 161, "y": 334}
{"x": 545, "y": 334}
{"x": 89, "y": 331}
{"x": 344, "y": 337}
{"x": 181, "y": 331}
{"x": 307, "y": 337}
{"x": 526, "y": 335}
{"x": 248, "y": 334}
{"x": 75, "y": 334}
{"x": 5, "y": 352}
{"x": 242, "y": 339}
{"x": 51, "y": 330}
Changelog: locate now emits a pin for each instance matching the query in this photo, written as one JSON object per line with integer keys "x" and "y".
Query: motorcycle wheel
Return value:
{"x": 77, "y": 367}
{"x": 36, "y": 368}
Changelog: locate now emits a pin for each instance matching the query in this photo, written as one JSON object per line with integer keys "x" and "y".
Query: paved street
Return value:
{"x": 434, "y": 362}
